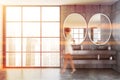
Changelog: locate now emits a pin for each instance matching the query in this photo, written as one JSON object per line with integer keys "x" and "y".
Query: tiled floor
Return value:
{"x": 54, "y": 74}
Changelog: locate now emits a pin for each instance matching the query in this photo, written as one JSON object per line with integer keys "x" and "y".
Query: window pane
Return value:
{"x": 13, "y": 44}
{"x": 76, "y": 35}
{"x": 13, "y": 59}
{"x": 95, "y": 30}
{"x": 50, "y": 14}
{"x": 81, "y": 31}
{"x": 76, "y": 30}
{"x": 98, "y": 30}
{"x": 13, "y": 13}
{"x": 31, "y": 44}
{"x": 31, "y": 13}
{"x": 50, "y": 29}
{"x": 50, "y": 44}
{"x": 13, "y": 29}
{"x": 31, "y": 59}
{"x": 51, "y": 59}
{"x": 81, "y": 36}
{"x": 31, "y": 29}
{"x": 97, "y": 36}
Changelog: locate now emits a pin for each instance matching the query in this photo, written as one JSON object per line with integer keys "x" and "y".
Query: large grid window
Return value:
{"x": 30, "y": 40}
{"x": 78, "y": 34}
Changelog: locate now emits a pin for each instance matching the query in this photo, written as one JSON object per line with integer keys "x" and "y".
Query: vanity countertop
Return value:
{"x": 87, "y": 52}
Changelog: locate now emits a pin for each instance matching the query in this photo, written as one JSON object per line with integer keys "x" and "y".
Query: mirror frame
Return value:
{"x": 69, "y": 27}
{"x": 110, "y": 27}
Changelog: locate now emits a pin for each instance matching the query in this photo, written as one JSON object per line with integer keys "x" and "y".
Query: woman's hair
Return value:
{"x": 67, "y": 29}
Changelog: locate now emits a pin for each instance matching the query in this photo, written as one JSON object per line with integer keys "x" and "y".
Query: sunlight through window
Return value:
{"x": 29, "y": 36}
{"x": 50, "y": 13}
{"x": 13, "y": 13}
{"x": 31, "y": 13}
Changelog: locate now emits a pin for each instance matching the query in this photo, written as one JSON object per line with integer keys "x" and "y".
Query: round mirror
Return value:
{"x": 78, "y": 26}
{"x": 99, "y": 29}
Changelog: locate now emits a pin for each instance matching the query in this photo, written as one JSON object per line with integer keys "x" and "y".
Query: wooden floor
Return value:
{"x": 54, "y": 74}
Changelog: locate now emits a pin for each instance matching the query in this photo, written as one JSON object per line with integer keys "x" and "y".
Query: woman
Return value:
{"x": 68, "y": 51}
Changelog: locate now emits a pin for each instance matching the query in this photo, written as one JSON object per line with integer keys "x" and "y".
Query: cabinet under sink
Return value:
{"x": 94, "y": 57}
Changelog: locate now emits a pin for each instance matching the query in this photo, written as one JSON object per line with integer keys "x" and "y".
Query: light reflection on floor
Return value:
{"x": 33, "y": 74}
{"x": 54, "y": 74}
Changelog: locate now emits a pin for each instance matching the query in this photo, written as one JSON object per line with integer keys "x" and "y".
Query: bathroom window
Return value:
{"x": 97, "y": 34}
{"x": 29, "y": 37}
{"x": 78, "y": 34}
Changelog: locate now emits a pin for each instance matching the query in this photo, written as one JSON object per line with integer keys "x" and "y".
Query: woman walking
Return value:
{"x": 68, "y": 51}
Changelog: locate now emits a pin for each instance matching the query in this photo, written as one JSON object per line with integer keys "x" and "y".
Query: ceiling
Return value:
{"x": 57, "y": 2}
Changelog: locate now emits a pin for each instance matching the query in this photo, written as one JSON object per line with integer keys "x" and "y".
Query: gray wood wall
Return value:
{"x": 87, "y": 11}
{"x": 116, "y": 32}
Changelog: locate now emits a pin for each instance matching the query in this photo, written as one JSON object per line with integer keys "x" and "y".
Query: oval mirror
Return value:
{"x": 99, "y": 29}
{"x": 78, "y": 26}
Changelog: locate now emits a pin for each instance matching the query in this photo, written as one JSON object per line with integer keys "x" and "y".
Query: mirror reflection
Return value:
{"x": 99, "y": 29}
{"x": 78, "y": 26}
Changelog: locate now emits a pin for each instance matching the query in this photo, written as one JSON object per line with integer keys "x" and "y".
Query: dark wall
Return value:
{"x": 116, "y": 32}
{"x": 87, "y": 11}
